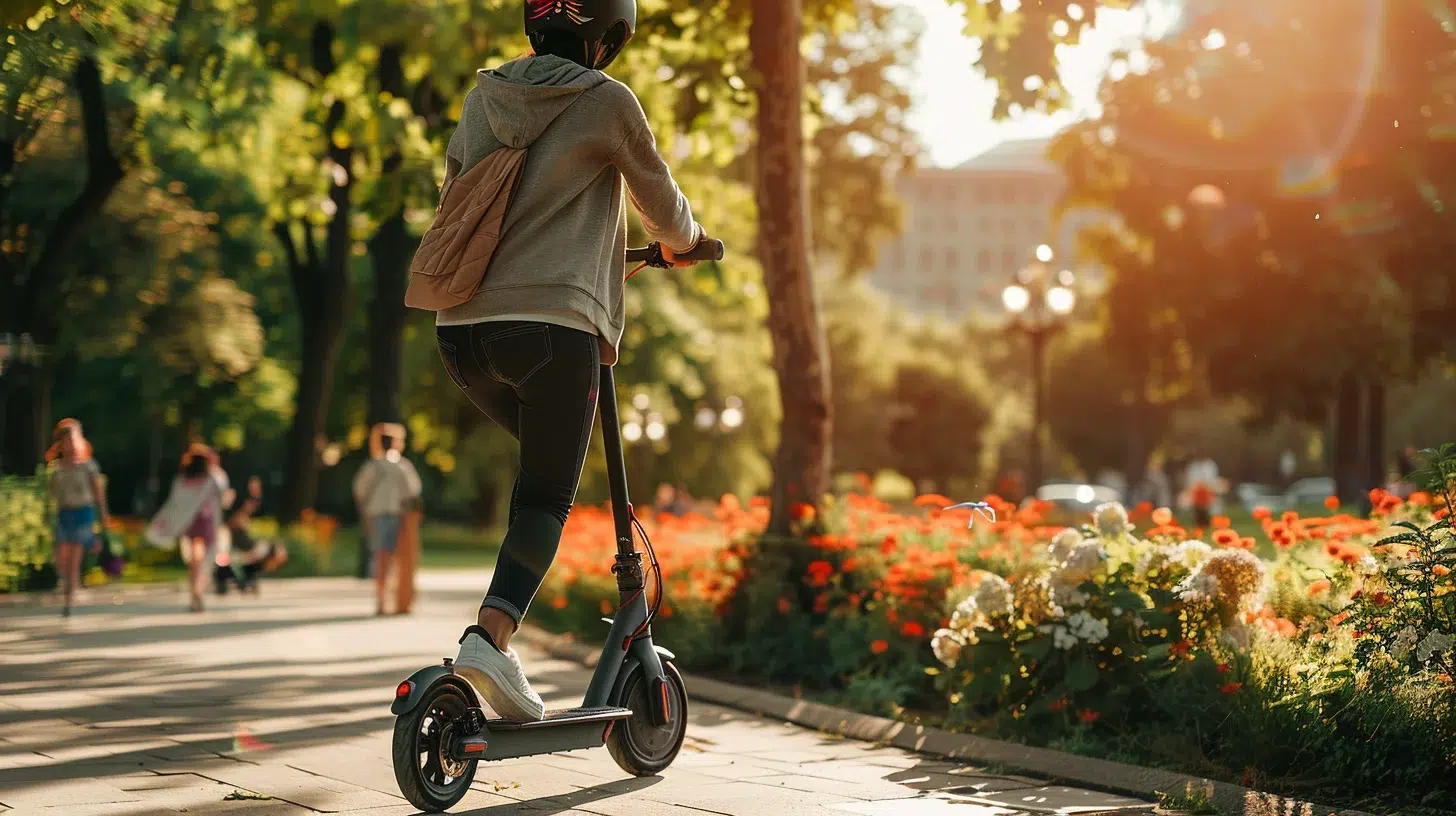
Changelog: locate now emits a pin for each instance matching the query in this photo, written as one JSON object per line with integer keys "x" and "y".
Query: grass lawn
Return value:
{"x": 443, "y": 546}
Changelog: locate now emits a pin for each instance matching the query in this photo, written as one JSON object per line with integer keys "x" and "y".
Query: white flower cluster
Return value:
{"x": 1078, "y": 627}
{"x": 947, "y": 645}
{"x": 1062, "y": 544}
{"x": 1198, "y": 588}
{"x": 994, "y": 596}
{"x": 1432, "y": 644}
{"x": 1082, "y": 563}
{"x": 1111, "y": 520}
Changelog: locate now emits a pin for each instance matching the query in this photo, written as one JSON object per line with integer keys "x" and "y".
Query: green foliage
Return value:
{"x": 25, "y": 530}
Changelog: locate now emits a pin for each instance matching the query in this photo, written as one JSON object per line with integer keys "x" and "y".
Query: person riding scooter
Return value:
{"x": 527, "y": 349}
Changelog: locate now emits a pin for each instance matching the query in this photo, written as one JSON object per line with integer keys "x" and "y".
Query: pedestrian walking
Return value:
{"x": 193, "y": 514}
{"x": 77, "y": 487}
{"x": 1204, "y": 488}
{"x": 251, "y": 556}
{"x": 385, "y": 489}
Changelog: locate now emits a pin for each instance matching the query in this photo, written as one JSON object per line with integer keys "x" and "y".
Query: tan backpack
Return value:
{"x": 450, "y": 264}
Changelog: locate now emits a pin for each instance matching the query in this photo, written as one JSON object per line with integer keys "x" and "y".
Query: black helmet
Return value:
{"x": 604, "y": 26}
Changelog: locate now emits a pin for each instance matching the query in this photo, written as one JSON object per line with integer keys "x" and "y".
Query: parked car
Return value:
{"x": 1311, "y": 491}
{"x": 1251, "y": 495}
{"x": 1077, "y": 497}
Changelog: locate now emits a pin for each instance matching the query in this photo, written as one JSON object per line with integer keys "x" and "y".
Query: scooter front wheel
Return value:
{"x": 640, "y": 746}
{"x": 428, "y": 777}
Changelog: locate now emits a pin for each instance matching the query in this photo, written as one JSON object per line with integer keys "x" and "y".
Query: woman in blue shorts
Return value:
{"x": 76, "y": 487}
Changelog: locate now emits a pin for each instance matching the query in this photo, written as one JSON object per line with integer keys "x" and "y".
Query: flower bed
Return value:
{"x": 1325, "y": 663}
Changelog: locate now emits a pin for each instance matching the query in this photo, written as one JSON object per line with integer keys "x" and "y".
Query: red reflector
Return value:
{"x": 404, "y": 689}
{"x": 608, "y": 732}
{"x": 666, "y": 709}
{"x": 474, "y": 749}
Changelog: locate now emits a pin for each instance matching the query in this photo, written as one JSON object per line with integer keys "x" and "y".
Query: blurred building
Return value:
{"x": 970, "y": 228}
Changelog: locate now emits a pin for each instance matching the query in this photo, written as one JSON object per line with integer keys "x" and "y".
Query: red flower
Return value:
{"x": 1223, "y": 668}
{"x": 1261, "y": 513}
{"x": 849, "y": 564}
{"x": 912, "y": 629}
{"x": 1142, "y": 509}
{"x": 1332, "y": 502}
{"x": 821, "y": 603}
{"x": 879, "y": 647}
{"x": 1380, "y": 599}
{"x": 820, "y": 573}
{"x": 1088, "y": 716}
{"x": 1182, "y": 647}
{"x": 1058, "y": 705}
{"x": 1221, "y": 521}
{"x": 1231, "y": 688}
{"x": 784, "y": 606}
{"x": 802, "y": 513}
{"x": 888, "y": 545}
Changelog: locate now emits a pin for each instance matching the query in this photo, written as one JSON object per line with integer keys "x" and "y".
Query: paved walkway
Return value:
{"x": 280, "y": 705}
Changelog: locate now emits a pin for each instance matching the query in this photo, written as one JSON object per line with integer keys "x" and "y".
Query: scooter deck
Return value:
{"x": 562, "y": 716}
{"x": 568, "y": 729}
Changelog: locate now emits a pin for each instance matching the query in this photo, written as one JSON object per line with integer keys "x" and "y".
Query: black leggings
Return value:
{"x": 539, "y": 382}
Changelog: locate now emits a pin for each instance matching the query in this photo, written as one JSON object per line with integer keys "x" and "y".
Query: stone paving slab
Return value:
{"x": 141, "y": 709}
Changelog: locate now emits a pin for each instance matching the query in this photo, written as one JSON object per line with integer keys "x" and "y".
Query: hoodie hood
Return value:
{"x": 522, "y": 98}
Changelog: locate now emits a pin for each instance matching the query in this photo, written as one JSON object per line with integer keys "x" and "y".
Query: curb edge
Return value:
{"x": 1057, "y": 766}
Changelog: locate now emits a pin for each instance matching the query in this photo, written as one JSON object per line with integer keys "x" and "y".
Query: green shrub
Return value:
{"x": 26, "y": 534}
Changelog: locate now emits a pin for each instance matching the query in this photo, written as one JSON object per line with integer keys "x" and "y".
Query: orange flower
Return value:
{"x": 912, "y": 629}
{"x": 606, "y": 607}
{"x": 1143, "y": 508}
{"x": 1332, "y": 502}
{"x": 1222, "y": 668}
{"x": 1261, "y": 513}
{"x": 933, "y": 500}
{"x": 1221, "y": 521}
{"x": 1380, "y": 599}
{"x": 1248, "y": 543}
{"x": 1087, "y": 716}
{"x": 1058, "y": 705}
{"x": 803, "y": 513}
{"x": 1441, "y": 570}
{"x": 784, "y": 606}
{"x": 1231, "y": 688}
{"x": 1225, "y": 537}
{"x": 821, "y": 603}
{"x": 1162, "y": 517}
{"x": 1289, "y": 517}
{"x": 559, "y": 602}
{"x": 879, "y": 647}
{"x": 889, "y": 544}
{"x": 1318, "y": 587}
{"x": 1420, "y": 498}
{"x": 1442, "y": 513}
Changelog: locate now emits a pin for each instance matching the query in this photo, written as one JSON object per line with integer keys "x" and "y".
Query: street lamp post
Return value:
{"x": 1038, "y": 304}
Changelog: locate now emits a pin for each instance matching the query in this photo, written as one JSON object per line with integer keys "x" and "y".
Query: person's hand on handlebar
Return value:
{"x": 671, "y": 257}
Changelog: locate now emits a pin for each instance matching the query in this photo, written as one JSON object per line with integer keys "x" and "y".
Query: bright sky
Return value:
{"x": 953, "y": 101}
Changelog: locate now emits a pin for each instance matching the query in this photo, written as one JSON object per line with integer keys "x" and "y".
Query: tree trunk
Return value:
{"x": 801, "y": 467}
{"x": 321, "y": 286}
{"x": 390, "y": 250}
{"x": 26, "y": 410}
{"x": 1375, "y": 435}
{"x": 1349, "y": 469}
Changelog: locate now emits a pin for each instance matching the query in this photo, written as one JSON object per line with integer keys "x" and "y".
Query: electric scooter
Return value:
{"x": 636, "y": 704}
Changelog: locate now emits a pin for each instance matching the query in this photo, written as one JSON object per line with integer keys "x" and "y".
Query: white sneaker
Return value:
{"x": 499, "y": 678}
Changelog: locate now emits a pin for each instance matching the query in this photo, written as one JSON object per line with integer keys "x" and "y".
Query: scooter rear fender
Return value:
{"x": 422, "y": 682}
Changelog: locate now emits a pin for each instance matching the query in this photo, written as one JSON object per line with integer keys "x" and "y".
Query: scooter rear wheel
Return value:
{"x": 427, "y": 776}
{"x": 640, "y": 746}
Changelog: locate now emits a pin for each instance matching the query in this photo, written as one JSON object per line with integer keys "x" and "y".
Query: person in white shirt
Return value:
{"x": 384, "y": 490}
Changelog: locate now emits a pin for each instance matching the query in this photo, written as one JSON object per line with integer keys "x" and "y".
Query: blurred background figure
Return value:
{"x": 1204, "y": 489}
{"x": 386, "y": 490}
{"x": 1402, "y": 485}
{"x": 193, "y": 512}
{"x": 1155, "y": 487}
{"x": 250, "y": 555}
{"x": 77, "y": 488}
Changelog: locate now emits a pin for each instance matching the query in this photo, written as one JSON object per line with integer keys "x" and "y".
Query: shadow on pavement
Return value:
{"x": 548, "y": 805}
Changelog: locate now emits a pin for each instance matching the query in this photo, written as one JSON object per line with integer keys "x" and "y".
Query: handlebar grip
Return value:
{"x": 708, "y": 249}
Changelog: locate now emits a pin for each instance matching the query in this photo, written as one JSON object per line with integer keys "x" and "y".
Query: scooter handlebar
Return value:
{"x": 708, "y": 249}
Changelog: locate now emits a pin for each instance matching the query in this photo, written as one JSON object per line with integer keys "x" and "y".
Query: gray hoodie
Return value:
{"x": 562, "y": 249}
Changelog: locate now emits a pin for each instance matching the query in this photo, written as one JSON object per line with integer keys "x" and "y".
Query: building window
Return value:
{"x": 983, "y": 262}
{"x": 952, "y": 261}
{"x": 1008, "y": 261}
{"x": 927, "y": 260}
